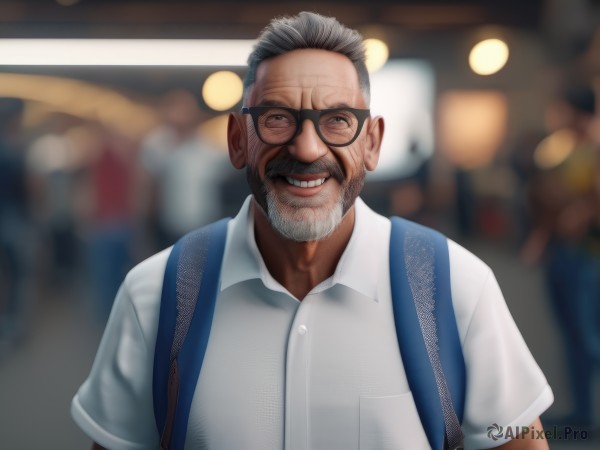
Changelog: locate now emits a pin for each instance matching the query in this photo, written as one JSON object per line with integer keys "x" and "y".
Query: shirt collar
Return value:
{"x": 359, "y": 267}
{"x": 240, "y": 261}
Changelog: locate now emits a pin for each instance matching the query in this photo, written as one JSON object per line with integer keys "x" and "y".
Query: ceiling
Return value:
{"x": 563, "y": 23}
{"x": 239, "y": 19}
{"x": 431, "y": 29}
{"x": 439, "y": 31}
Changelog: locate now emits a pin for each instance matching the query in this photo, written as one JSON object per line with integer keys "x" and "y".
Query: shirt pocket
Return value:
{"x": 391, "y": 423}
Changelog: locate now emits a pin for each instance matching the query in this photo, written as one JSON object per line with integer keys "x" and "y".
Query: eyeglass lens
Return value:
{"x": 278, "y": 125}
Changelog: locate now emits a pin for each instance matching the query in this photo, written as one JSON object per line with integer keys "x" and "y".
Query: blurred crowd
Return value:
{"x": 562, "y": 193}
{"x": 81, "y": 203}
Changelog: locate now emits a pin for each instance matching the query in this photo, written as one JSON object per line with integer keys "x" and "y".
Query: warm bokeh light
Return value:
{"x": 81, "y": 99}
{"x": 222, "y": 90}
{"x": 472, "y": 125}
{"x": 377, "y": 54}
{"x": 488, "y": 56}
{"x": 554, "y": 149}
{"x": 215, "y": 130}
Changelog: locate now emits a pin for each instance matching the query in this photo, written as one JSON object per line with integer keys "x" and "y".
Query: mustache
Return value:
{"x": 286, "y": 165}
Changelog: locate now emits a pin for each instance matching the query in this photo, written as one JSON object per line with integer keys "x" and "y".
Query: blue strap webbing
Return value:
{"x": 183, "y": 331}
{"x": 427, "y": 332}
{"x": 164, "y": 338}
{"x": 408, "y": 243}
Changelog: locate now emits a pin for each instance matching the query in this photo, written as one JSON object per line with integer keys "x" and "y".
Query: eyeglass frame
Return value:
{"x": 302, "y": 115}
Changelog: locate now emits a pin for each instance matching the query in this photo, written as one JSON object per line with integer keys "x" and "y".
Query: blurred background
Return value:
{"x": 112, "y": 144}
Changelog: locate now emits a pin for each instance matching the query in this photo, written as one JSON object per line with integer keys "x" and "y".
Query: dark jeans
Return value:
{"x": 573, "y": 278}
{"x": 109, "y": 259}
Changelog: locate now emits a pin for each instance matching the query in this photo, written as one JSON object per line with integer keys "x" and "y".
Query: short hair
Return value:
{"x": 309, "y": 30}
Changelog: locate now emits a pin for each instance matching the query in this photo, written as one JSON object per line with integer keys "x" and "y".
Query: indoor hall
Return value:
{"x": 484, "y": 102}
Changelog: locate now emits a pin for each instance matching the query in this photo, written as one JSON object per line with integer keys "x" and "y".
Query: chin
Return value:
{"x": 302, "y": 222}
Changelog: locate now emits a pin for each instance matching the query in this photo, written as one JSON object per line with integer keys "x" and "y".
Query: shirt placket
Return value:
{"x": 297, "y": 381}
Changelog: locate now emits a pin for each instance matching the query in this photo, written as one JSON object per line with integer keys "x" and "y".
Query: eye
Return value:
{"x": 277, "y": 119}
{"x": 338, "y": 119}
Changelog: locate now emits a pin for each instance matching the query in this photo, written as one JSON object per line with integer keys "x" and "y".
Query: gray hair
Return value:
{"x": 309, "y": 30}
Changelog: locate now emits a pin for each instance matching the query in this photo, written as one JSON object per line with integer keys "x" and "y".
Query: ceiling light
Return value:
{"x": 125, "y": 52}
{"x": 222, "y": 90}
{"x": 488, "y": 56}
{"x": 377, "y": 53}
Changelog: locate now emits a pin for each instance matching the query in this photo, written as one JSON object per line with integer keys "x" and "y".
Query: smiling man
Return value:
{"x": 303, "y": 351}
{"x": 305, "y": 154}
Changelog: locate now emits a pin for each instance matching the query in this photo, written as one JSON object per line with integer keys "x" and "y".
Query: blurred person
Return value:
{"x": 303, "y": 351}
{"x": 108, "y": 208}
{"x": 54, "y": 164}
{"x": 409, "y": 198}
{"x": 13, "y": 222}
{"x": 521, "y": 163}
{"x": 564, "y": 199}
{"x": 185, "y": 170}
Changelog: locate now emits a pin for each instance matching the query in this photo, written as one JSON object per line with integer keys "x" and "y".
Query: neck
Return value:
{"x": 300, "y": 266}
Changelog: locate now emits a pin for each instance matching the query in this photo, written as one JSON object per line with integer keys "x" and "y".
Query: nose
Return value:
{"x": 307, "y": 146}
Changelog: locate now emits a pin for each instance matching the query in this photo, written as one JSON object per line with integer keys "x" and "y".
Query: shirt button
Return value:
{"x": 302, "y": 329}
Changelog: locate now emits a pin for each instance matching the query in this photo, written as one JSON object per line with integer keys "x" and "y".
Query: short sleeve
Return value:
{"x": 114, "y": 405}
{"x": 505, "y": 386}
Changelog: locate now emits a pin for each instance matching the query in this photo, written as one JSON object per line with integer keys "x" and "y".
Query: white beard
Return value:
{"x": 302, "y": 223}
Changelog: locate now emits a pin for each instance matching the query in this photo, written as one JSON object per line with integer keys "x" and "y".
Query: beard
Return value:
{"x": 303, "y": 219}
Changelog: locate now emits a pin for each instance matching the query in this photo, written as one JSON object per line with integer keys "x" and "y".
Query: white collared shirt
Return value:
{"x": 323, "y": 373}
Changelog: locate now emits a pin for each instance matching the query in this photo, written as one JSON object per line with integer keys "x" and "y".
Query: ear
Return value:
{"x": 373, "y": 142}
{"x": 236, "y": 140}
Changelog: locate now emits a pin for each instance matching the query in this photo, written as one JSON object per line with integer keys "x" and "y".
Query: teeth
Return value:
{"x": 305, "y": 184}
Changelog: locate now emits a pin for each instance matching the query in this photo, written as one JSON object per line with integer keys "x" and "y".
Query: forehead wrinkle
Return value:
{"x": 313, "y": 82}
{"x": 330, "y": 97}
{"x": 308, "y": 81}
{"x": 307, "y": 76}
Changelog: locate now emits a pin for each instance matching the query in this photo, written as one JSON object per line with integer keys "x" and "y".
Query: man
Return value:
{"x": 565, "y": 238}
{"x": 303, "y": 350}
{"x": 182, "y": 171}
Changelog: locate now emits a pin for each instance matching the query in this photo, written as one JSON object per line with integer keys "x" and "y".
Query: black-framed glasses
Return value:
{"x": 278, "y": 125}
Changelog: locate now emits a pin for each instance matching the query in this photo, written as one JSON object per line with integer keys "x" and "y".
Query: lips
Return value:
{"x": 305, "y": 183}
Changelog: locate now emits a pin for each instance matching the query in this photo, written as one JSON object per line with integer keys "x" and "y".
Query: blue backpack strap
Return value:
{"x": 189, "y": 293}
{"x": 426, "y": 329}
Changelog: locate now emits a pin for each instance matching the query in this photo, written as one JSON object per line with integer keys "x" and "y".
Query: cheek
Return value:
{"x": 351, "y": 159}
{"x": 254, "y": 149}
{"x": 259, "y": 154}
